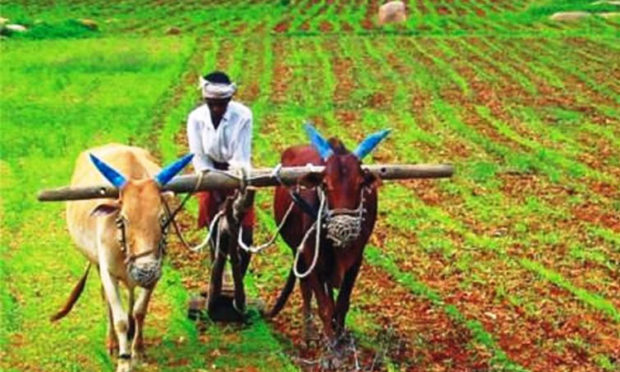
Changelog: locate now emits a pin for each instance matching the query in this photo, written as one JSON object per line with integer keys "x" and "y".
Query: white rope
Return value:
{"x": 317, "y": 240}
{"x": 205, "y": 242}
{"x": 258, "y": 249}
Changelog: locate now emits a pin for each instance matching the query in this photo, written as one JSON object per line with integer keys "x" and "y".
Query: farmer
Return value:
{"x": 219, "y": 132}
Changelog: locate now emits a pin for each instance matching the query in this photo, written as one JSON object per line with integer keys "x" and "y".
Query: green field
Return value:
{"x": 513, "y": 264}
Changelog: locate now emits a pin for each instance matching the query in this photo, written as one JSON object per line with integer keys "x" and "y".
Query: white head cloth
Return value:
{"x": 216, "y": 90}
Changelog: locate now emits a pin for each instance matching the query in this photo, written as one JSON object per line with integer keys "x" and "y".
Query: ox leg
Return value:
{"x": 325, "y": 304}
{"x": 120, "y": 318}
{"x": 111, "y": 340}
{"x": 310, "y": 333}
{"x": 132, "y": 323}
{"x": 344, "y": 297}
{"x": 139, "y": 313}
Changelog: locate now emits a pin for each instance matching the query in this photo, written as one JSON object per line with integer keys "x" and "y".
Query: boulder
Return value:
{"x": 392, "y": 12}
{"x": 173, "y": 31}
{"x": 16, "y": 28}
{"x": 89, "y": 23}
{"x": 569, "y": 16}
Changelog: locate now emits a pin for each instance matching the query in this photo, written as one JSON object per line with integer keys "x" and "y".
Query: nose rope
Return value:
{"x": 206, "y": 240}
{"x": 317, "y": 240}
{"x": 259, "y": 248}
{"x": 343, "y": 227}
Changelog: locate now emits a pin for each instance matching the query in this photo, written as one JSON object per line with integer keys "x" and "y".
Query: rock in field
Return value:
{"x": 392, "y": 12}
{"x": 173, "y": 31}
{"x": 89, "y": 23}
{"x": 569, "y": 16}
{"x": 16, "y": 28}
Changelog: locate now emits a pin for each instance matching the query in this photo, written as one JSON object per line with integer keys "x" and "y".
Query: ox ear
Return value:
{"x": 104, "y": 210}
{"x": 108, "y": 172}
{"x": 369, "y": 143}
{"x": 319, "y": 143}
{"x": 173, "y": 169}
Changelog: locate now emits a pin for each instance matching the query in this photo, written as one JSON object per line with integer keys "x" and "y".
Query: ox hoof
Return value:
{"x": 312, "y": 340}
{"x": 311, "y": 334}
{"x": 123, "y": 366}
{"x": 332, "y": 360}
{"x": 138, "y": 357}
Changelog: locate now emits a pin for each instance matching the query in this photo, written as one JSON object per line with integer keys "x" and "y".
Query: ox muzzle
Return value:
{"x": 144, "y": 268}
{"x": 145, "y": 274}
{"x": 344, "y": 226}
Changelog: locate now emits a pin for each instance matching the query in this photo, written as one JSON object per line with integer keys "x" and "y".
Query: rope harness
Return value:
{"x": 148, "y": 274}
{"x": 343, "y": 228}
{"x": 317, "y": 240}
{"x": 343, "y": 225}
{"x": 130, "y": 257}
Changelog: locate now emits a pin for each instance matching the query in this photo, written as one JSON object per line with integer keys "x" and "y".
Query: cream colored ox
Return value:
{"x": 124, "y": 238}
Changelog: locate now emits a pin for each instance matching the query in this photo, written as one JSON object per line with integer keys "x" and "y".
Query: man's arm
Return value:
{"x": 200, "y": 160}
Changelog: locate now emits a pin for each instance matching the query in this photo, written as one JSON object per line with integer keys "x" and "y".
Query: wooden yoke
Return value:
{"x": 261, "y": 177}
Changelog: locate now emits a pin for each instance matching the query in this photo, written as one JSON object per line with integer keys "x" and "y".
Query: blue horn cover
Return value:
{"x": 168, "y": 173}
{"x": 108, "y": 172}
{"x": 369, "y": 143}
{"x": 320, "y": 143}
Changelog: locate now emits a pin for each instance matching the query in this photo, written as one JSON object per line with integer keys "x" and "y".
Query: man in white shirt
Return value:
{"x": 220, "y": 137}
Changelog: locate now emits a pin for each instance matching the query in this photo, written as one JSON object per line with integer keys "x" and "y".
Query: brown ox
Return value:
{"x": 123, "y": 238}
{"x": 346, "y": 218}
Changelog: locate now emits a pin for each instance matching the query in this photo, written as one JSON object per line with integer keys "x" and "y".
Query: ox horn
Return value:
{"x": 320, "y": 143}
{"x": 369, "y": 143}
{"x": 108, "y": 172}
{"x": 168, "y": 173}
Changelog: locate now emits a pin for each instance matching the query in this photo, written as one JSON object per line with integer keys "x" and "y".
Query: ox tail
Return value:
{"x": 284, "y": 295}
{"x": 75, "y": 295}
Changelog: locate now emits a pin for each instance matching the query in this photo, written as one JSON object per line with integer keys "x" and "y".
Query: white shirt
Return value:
{"x": 230, "y": 143}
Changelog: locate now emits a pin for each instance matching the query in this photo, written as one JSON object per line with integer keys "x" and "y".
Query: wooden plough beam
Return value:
{"x": 262, "y": 177}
